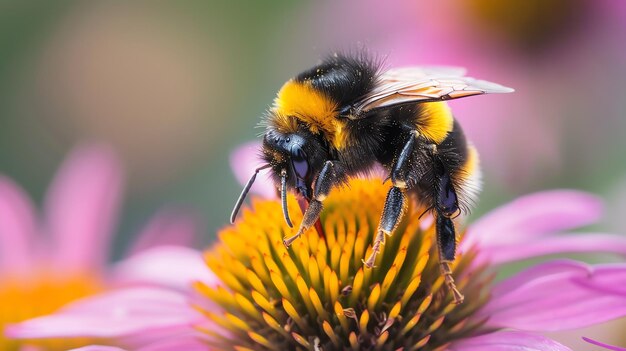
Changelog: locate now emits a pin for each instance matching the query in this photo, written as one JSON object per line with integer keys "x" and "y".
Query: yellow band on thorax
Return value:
{"x": 301, "y": 101}
{"x": 435, "y": 121}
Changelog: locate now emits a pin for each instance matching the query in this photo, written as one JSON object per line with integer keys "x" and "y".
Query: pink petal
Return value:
{"x": 134, "y": 313}
{"x": 572, "y": 243}
{"x": 243, "y": 161}
{"x": 558, "y": 295}
{"x": 606, "y": 346}
{"x": 188, "y": 342}
{"x": 608, "y": 278}
{"x": 508, "y": 341}
{"x": 536, "y": 272}
{"x": 98, "y": 348}
{"x": 168, "y": 227}
{"x": 17, "y": 227}
{"x": 82, "y": 206}
{"x": 30, "y": 348}
{"x": 534, "y": 215}
{"x": 171, "y": 266}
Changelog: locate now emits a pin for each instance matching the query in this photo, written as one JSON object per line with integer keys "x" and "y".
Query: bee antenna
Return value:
{"x": 283, "y": 197}
{"x": 245, "y": 191}
{"x": 423, "y": 213}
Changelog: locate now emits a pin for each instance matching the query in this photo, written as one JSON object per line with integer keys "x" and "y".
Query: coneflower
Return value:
{"x": 50, "y": 259}
{"x": 317, "y": 294}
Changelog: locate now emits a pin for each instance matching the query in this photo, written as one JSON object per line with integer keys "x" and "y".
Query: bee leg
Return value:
{"x": 330, "y": 175}
{"x": 392, "y": 213}
{"x": 396, "y": 199}
{"x": 400, "y": 170}
{"x": 446, "y": 205}
{"x": 304, "y": 204}
{"x": 446, "y": 241}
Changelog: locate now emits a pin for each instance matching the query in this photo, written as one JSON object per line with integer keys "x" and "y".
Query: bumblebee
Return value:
{"x": 345, "y": 115}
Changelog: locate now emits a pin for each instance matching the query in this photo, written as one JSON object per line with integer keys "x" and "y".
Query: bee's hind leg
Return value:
{"x": 396, "y": 201}
{"x": 331, "y": 175}
{"x": 446, "y": 241}
{"x": 446, "y": 205}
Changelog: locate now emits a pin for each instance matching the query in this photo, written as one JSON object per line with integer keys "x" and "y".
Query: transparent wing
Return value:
{"x": 422, "y": 84}
{"x": 417, "y": 72}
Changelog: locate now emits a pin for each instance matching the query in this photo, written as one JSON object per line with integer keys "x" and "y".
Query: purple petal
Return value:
{"x": 243, "y": 161}
{"x": 134, "y": 313}
{"x": 171, "y": 266}
{"x": 558, "y": 295}
{"x": 17, "y": 227}
{"x": 572, "y": 243}
{"x": 606, "y": 346}
{"x": 508, "y": 341}
{"x": 82, "y": 206}
{"x": 534, "y": 215}
{"x": 168, "y": 227}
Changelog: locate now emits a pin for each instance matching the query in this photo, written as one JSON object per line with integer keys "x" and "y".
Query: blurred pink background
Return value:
{"x": 174, "y": 87}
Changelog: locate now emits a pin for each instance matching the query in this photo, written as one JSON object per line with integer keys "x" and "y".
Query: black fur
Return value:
{"x": 378, "y": 138}
{"x": 344, "y": 78}
{"x": 432, "y": 173}
{"x": 312, "y": 165}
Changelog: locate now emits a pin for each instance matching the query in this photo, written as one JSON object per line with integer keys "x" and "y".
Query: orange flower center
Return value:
{"x": 318, "y": 294}
{"x": 22, "y": 298}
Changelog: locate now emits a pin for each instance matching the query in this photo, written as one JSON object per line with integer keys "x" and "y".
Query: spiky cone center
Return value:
{"x": 317, "y": 294}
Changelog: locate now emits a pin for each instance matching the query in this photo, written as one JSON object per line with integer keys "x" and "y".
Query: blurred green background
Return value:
{"x": 176, "y": 86}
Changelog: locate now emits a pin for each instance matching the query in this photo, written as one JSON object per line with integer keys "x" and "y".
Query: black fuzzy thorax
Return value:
{"x": 380, "y": 137}
{"x": 375, "y": 138}
{"x": 346, "y": 79}
{"x": 343, "y": 78}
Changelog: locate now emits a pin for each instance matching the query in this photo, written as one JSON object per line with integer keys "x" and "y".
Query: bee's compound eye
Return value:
{"x": 300, "y": 163}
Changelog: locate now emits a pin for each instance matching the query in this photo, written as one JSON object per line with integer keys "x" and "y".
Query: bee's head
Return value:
{"x": 296, "y": 158}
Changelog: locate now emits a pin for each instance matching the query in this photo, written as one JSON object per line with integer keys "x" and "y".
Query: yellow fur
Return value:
{"x": 469, "y": 182}
{"x": 300, "y": 101}
{"x": 471, "y": 164}
{"x": 435, "y": 121}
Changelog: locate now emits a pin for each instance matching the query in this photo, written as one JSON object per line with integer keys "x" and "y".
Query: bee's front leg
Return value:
{"x": 396, "y": 201}
{"x": 331, "y": 175}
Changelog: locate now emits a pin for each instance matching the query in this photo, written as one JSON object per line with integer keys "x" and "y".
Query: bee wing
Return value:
{"x": 417, "y": 72}
{"x": 409, "y": 85}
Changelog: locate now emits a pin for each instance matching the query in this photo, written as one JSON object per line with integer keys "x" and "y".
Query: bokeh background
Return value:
{"x": 176, "y": 86}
